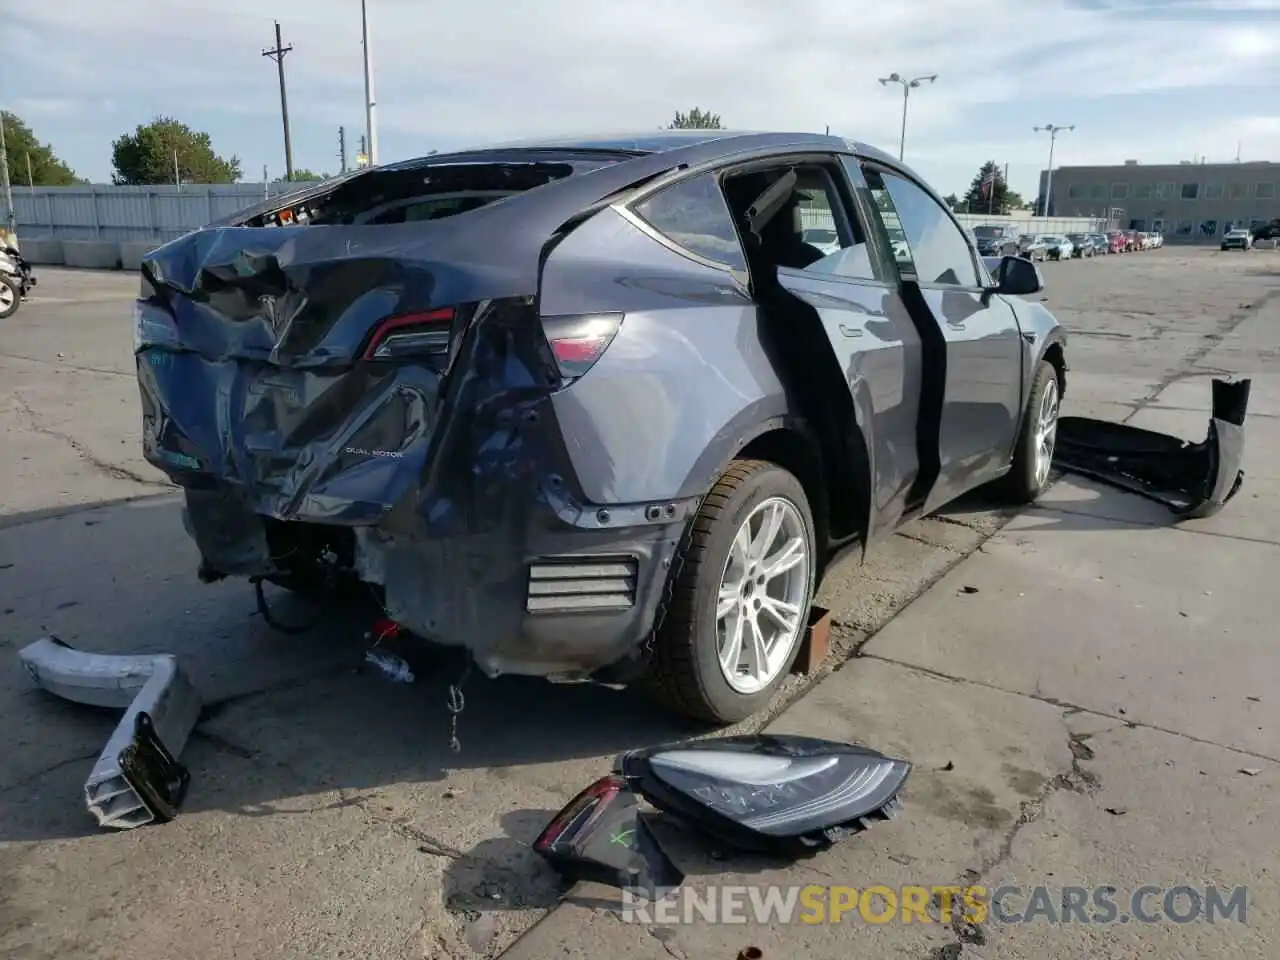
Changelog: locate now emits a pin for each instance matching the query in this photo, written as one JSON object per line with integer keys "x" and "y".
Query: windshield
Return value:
{"x": 987, "y": 233}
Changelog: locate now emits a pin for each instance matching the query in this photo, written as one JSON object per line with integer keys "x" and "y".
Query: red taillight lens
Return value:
{"x": 424, "y": 334}
{"x": 579, "y": 813}
{"x": 577, "y": 342}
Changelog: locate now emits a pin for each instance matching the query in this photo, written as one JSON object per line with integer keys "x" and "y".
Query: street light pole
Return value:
{"x": 1053, "y": 130}
{"x": 907, "y": 87}
{"x": 370, "y": 104}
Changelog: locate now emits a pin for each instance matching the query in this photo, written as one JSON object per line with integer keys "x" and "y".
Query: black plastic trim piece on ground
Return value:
{"x": 1192, "y": 479}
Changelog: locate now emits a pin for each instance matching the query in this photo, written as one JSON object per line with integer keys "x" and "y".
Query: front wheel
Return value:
{"x": 1033, "y": 454}
{"x": 10, "y": 297}
{"x": 740, "y": 601}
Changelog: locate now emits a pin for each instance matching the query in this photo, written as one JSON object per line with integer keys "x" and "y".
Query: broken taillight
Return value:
{"x": 577, "y": 342}
{"x": 425, "y": 334}
{"x": 573, "y": 821}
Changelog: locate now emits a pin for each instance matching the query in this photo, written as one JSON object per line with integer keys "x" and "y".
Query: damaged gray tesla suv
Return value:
{"x": 592, "y": 409}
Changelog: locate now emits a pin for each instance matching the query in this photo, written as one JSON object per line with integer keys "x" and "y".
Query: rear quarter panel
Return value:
{"x": 686, "y": 381}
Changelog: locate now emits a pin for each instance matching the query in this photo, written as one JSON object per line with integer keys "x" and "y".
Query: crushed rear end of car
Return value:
{"x": 359, "y": 386}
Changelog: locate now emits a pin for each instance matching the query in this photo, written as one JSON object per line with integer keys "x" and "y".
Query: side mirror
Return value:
{"x": 1018, "y": 277}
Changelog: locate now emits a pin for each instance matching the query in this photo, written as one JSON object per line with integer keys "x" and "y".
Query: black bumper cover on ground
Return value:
{"x": 1191, "y": 479}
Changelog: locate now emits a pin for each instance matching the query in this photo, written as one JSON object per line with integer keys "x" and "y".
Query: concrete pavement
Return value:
{"x": 1090, "y": 699}
{"x": 327, "y": 816}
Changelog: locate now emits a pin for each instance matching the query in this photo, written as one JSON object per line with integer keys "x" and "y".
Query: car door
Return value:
{"x": 854, "y": 294}
{"x": 982, "y": 396}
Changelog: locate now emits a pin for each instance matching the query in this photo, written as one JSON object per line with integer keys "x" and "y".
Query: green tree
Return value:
{"x": 149, "y": 155}
{"x": 22, "y": 147}
{"x": 304, "y": 174}
{"x": 952, "y": 201}
{"x": 988, "y": 193}
{"x": 696, "y": 119}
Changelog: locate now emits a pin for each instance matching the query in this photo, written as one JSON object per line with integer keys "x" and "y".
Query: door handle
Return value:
{"x": 849, "y": 331}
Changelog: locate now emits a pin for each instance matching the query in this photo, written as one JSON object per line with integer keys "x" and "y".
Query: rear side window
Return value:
{"x": 693, "y": 214}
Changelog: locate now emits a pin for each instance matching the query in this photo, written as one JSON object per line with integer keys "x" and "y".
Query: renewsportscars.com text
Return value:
{"x": 1006, "y": 904}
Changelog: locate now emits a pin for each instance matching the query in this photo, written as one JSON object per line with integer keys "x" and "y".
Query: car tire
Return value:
{"x": 10, "y": 298}
{"x": 685, "y": 671}
{"x": 1033, "y": 454}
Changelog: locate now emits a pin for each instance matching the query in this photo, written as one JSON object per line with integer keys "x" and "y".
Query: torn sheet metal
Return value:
{"x": 1191, "y": 479}
{"x": 782, "y": 794}
{"x": 137, "y": 779}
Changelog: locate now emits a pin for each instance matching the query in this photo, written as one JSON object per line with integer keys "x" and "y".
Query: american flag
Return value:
{"x": 988, "y": 182}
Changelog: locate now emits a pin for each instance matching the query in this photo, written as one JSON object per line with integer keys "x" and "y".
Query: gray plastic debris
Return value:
{"x": 390, "y": 666}
{"x": 160, "y": 705}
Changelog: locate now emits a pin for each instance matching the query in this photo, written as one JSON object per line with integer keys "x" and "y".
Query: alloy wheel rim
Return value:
{"x": 7, "y": 296}
{"x": 1046, "y": 431}
{"x": 760, "y": 609}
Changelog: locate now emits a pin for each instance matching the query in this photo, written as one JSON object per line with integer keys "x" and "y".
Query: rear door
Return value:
{"x": 982, "y": 398}
{"x": 854, "y": 294}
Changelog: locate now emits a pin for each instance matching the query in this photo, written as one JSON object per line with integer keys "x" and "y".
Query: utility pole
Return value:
{"x": 277, "y": 54}
{"x": 10, "y": 218}
{"x": 370, "y": 104}
{"x": 177, "y": 178}
{"x": 907, "y": 87}
{"x": 342, "y": 148}
{"x": 1053, "y": 130}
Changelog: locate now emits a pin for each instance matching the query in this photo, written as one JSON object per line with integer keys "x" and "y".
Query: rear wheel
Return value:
{"x": 10, "y": 297}
{"x": 740, "y": 602}
{"x": 1033, "y": 455}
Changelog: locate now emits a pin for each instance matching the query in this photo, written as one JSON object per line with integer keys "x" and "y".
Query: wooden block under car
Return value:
{"x": 813, "y": 648}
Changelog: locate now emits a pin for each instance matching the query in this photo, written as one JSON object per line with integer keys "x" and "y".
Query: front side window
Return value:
{"x": 693, "y": 214}
{"x": 926, "y": 242}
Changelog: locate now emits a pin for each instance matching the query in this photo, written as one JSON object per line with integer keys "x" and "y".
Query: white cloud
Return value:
{"x": 496, "y": 69}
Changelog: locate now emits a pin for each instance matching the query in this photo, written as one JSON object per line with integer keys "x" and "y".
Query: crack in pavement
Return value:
{"x": 45, "y": 771}
{"x": 1171, "y": 525}
{"x": 64, "y": 365}
{"x": 1074, "y": 780}
{"x": 81, "y": 451}
{"x": 1123, "y": 721}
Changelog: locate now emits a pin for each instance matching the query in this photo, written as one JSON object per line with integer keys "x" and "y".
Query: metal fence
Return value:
{"x": 162, "y": 212}
{"x": 151, "y": 213}
{"x": 819, "y": 218}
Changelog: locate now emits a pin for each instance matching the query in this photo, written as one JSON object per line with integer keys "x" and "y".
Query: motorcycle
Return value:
{"x": 16, "y": 280}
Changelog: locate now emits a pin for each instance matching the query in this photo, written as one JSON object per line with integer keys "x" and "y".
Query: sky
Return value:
{"x": 1149, "y": 80}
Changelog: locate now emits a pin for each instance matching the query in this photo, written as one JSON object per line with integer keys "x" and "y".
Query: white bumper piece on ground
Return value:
{"x": 137, "y": 779}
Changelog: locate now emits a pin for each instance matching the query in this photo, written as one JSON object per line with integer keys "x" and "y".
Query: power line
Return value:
{"x": 277, "y": 54}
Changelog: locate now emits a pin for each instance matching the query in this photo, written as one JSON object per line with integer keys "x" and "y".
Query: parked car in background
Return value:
{"x": 824, "y": 238}
{"x": 1133, "y": 241}
{"x": 1157, "y": 240}
{"x": 1237, "y": 239}
{"x": 1117, "y": 242}
{"x": 1101, "y": 245}
{"x": 1081, "y": 245}
{"x": 1032, "y": 247}
{"x": 591, "y": 409}
{"x": 1266, "y": 231}
{"x": 996, "y": 240}
{"x": 1058, "y": 247}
